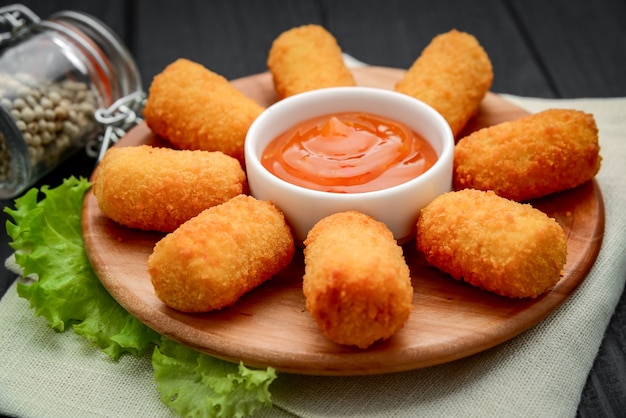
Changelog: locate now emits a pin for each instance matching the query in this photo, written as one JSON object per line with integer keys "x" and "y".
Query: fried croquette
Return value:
{"x": 531, "y": 157}
{"x": 307, "y": 58}
{"x": 496, "y": 244}
{"x": 197, "y": 109}
{"x": 215, "y": 258}
{"x": 452, "y": 74}
{"x": 356, "y": 282}
{"x": 160, "y": 188}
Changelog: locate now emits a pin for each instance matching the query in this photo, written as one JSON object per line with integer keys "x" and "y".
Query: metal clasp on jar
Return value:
{"x": 117, "y": 119}
{"x": 14, "y": 17}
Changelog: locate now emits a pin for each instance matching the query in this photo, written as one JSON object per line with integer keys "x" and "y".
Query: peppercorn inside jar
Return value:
{"x": 54, "y": 75}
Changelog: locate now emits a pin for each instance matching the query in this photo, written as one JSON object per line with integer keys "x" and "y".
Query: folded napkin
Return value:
{"x": 541, "y": 372}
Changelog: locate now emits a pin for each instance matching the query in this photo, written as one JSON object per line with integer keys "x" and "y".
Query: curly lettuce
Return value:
{"x": 47, "y": 239}
{"x": 48, "y": 243}
{"x": 198, "y": 385}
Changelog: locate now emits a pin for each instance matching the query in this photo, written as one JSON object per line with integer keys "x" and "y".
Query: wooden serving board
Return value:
{"x": 270, "y": 325}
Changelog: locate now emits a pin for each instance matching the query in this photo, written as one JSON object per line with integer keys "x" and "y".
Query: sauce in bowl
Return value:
{"x": 348, "y": 152}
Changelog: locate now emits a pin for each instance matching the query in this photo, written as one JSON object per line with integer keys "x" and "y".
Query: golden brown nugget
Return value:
{"x": 197, "y": 109}
{"x": 218, "y": 256}
{"x": 160, "y": 188}
{"x": 499, "y": 245}
{"x": 356, "y": 282}
{"x": 307, "y": 58}
{"x": 452, "y": 74}
{"x": 531, "y": 157}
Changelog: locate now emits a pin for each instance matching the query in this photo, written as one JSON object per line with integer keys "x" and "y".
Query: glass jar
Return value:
{"x": 54, "y": 75}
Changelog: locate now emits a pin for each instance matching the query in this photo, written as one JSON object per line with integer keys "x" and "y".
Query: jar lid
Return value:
{"x": 100, "y": 40}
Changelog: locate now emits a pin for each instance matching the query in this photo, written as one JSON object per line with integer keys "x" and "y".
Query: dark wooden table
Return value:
{"x": 540, "y": 48}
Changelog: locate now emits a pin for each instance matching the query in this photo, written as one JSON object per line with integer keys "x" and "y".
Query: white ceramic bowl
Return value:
{"x": 398, "y": 206}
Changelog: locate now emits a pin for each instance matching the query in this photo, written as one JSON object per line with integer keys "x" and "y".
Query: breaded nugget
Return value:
{"x": 531, "y": 157}
{"x": 499, "y": 245}
{"x": 356, "y": 282}
{"x": 307, "y": 58}
{"x": 452, "y": 74}
{"x": 215, "y": 258}
{"x": 197, "y": 109}
{"x": 160, "y": 188}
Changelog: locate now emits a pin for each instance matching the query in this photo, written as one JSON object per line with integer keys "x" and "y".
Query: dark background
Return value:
{"x": 539, "y": 48}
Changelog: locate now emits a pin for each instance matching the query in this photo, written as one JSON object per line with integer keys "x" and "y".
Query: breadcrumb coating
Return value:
{"x": 221, "y": 254}
{"x": 496, "y": 244}
{"x": 356, "y": 283}
{"x": 452, "y": 74}
{"x": 160, "y": 188}
{"x": 307, "y": 58}
{"x": 532, "y": 157}
{"x": 197, "y": 109}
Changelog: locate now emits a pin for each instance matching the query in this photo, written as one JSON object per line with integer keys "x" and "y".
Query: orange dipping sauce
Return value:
{"x": 348, "y": 153}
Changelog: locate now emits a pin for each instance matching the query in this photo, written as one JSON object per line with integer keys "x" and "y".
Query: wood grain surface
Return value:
{"x": 270, "y": 325}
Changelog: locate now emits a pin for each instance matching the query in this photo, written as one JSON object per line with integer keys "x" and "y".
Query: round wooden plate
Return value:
{"x": 270, "y": 325}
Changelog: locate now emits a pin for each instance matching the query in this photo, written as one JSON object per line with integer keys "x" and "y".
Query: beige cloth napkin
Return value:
{"x": 540, "y": 373}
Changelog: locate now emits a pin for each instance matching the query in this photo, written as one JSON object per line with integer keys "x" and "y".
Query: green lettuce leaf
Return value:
{"x": 47, "y": 237}
{"x": 198, "y": 385}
